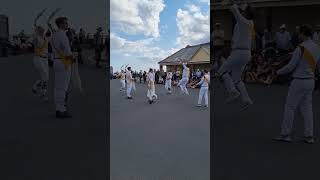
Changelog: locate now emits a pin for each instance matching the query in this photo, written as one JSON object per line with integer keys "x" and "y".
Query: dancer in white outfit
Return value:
{"x": 129, "y": 80}
{"x": 185, "y": 79}
{"x": 168, "y": 82}
{"x": 151, "y": 93}
{"x": 122, "y": 78}
{"x": 203, "y": 94}
{"x": 40, "y": 60}
{"x": 233, "y": 67}
{"x": 303, "y": 64}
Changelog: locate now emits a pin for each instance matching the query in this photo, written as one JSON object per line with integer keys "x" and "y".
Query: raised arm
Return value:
{"x": 50, "y": 18}
{"x": 236, "y": 13}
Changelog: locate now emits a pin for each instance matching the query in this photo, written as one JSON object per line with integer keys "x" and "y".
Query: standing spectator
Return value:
{"x": 283, "y": 40}
{"x": 295, "y": 37}
{"x": 22, "y": 37}
{"x": 81, "y": 36}
{"x": 198, "y": 74}
{"x": 140, "y": 76}
{"x": 267, "y": 38}
{"x": 218, "y": 44}
{"x": 144, "y": 77}
{"x": 316, "y": 35}
{"x": 98, "y": 43}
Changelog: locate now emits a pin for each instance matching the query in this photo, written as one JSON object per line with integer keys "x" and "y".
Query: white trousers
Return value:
{"x": 299, "y": 96}
{"x": 129, "y": 89}
{"x": 168, "y": 85}
{"x": 203, "y": 94}
{"x": 231, "y": 72}
{"x": 151, "y": 92}
{"x": 61, "y": 84}
{"x": 123, "y": 84}
{"x": 183, "y": 84}
{"x": 42, "y": 66}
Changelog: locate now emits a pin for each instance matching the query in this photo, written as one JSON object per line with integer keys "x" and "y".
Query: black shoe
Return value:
{"x": 129, "y": 97}
{"x": 62, "y": 115}
{"x": 150, "y": 101}
{"x": 283, "y": 138}
{"x": 308, "y": 140}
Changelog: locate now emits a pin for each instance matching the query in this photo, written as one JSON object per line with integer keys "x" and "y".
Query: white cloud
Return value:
{"x": 144, "y": 50}
{"x": 137, "y": 16}
{"x": 193, "y": 25}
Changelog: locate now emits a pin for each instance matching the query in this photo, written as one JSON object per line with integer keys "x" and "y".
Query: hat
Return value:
{"x": 283, "y": 26}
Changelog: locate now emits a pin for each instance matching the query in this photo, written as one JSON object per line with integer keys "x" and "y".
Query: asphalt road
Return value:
{"x": 34, "y": 145}
{"x": 242, "y": 142}
{"x": 167, "y": 140}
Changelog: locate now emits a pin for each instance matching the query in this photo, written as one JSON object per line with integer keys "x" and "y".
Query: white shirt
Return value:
{"x": 129, "y": 77}
{"x": 243, "y": 31}
{"x": 186, "y": 71}
{"x": 205, "y": 80}
{"x": 150, "y": 77}
{"x": 60, "y": 43}
{"x": 300, "y": 66}
{"x": 283, "y": 40}
{"x": 169, "y": 76}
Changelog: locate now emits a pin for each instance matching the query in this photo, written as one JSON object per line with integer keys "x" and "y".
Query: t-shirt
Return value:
{"x": 283, "y": 40}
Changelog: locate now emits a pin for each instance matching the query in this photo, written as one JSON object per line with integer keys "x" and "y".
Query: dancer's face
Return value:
{"x": 64, "y": 25}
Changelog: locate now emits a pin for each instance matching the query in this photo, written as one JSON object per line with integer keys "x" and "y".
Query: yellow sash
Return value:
{"x": 309, "y": 57}
{"x": 66, "y": 60}
{"x": 40, "y": 50}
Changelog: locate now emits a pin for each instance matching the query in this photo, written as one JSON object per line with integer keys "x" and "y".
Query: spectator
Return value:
{"x": 81, "y": 36}
{"x": 98, "y": 43}
{"x": 283, "y": 40}
{"x": 295, "y": 37}
{"x": 198, "y": 74}
{"x": 16, "y": 45}
{"x": 218, "y": 44}
{"x": 267, "y": 39}
{"x": 144, "y": 77}
{"x": 316, "y": 35}
{"x": 140, "y": 76}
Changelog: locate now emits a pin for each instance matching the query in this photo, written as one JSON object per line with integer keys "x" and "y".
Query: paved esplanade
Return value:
{"x": 169, "y": 139}
{"x": 242, "y": 142}
{"x": 34, "y": 144}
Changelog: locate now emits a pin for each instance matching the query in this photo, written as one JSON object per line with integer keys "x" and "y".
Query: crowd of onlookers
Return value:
{"x": 160, "y": 77}
{"x": 270, "y": 52}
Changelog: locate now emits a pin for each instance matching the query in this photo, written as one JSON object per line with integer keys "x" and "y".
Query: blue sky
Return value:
{"x": 143, "y": 32}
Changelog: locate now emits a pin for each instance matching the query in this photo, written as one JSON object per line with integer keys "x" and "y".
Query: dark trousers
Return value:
{"x": 98, "y": 56}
